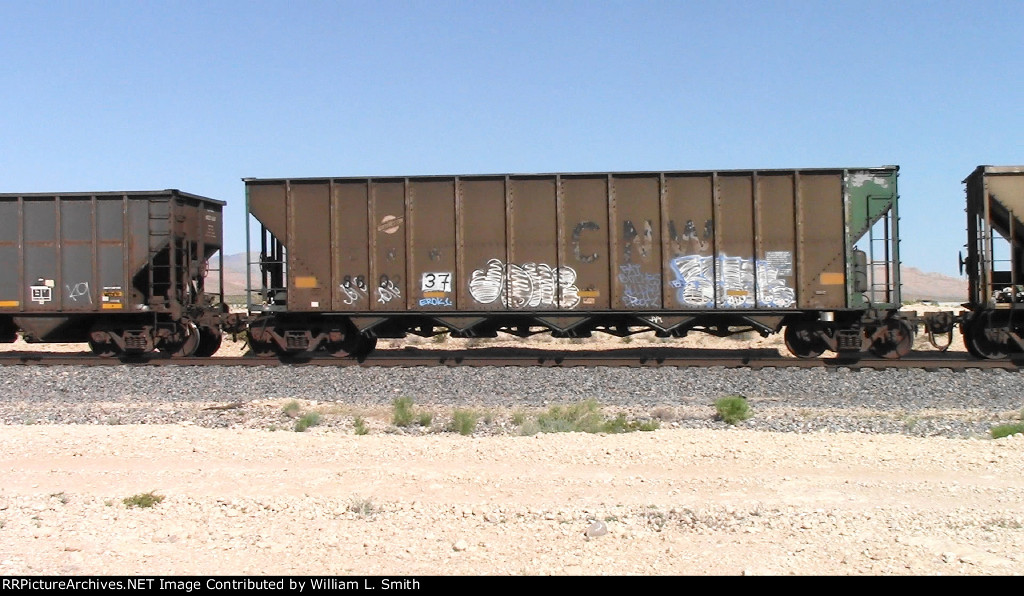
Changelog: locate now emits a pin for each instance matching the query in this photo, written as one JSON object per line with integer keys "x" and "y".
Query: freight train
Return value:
{"x": 810, "y": 253}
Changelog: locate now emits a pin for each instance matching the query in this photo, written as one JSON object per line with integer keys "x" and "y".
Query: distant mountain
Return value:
{"x": 917, "y": 284}
{"x": 234, "y": 274}
{"x": 920, "y": 285}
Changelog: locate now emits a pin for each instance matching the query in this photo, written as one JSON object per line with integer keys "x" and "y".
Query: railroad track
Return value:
{"x": 411, "y": 357}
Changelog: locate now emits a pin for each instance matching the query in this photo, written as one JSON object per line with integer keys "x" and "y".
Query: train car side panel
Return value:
{"x": 388, "y": 228}
{"x": 10, "y": 239}
{"x": 483, "y": 248}
{"x": 583, "y": 242}
{"x": 42, "y": 290}
{"x": 734, "y": 265}
{"x": 533, "y": 276}
{"x": 309, "y": 233}
{"x": 821, "y": 266}
{"x": 432, "y": 254}
{"x": 635, "y": 225}
{"x": 350, "y": 282}
{"x": 690, "y": 237}
{"x": 775, "y": 237}
{"x": 110, "y": 237}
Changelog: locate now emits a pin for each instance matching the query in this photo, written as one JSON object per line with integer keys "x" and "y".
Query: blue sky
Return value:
{"x": 197, "y": 95}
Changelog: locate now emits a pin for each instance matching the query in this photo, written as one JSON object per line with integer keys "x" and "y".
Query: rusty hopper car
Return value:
{"x": 123, "y": 271}
{"x": 344, "y": 261}
{"x": 994, "y": 327}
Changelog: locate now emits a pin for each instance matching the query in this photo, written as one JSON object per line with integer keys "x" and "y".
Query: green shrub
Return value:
{"x": 360, "y": 426}
{"x": 464, "y": 421}
{"x": 143, "y": 500}
{"x": 291, "y": 408}
{"x": 307, "y": 420}
{"x": 584, "y": 416}
{"x": 425, "y": 418}
{"x": 732, "y": 409}
{"x": 403, "y": 414}
{"x": 578, "y": 417}
{"x": 1005, "y": 430}
{"x": 620, "y": 424}
{"x": 362, "y": 507}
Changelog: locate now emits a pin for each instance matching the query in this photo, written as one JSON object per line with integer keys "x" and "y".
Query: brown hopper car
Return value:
{"x": 344, "y": 261}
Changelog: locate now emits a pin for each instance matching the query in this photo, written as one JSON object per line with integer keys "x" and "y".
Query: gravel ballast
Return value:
{"x": 915, "y": 402}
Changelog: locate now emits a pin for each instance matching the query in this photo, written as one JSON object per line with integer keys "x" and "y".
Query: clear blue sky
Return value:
{"x": 197, "y": 95}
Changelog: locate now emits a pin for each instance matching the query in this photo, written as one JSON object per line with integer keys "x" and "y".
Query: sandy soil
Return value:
{"x": 665, "y": 502}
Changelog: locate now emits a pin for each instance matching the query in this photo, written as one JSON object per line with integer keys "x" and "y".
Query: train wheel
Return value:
{"x": 803, "y": 340}
{"x": 260, "y": 349}
{"x": 184, "y": 343}
{"x": 978, "y": 338}
{"x": 367, "y": 344}
{"x": 209, "y": 342}
{"x": 968, "y": 332}
{"x": 346, "y": 347}
{"x": 899, "y": 340}
{"x": 104, "y": 348}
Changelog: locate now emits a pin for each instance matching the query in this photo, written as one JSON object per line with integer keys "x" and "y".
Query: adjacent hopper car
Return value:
{"x": 994, "y": 325}
{"x": 810, "y": 253}
{"x": 123, "y": 271}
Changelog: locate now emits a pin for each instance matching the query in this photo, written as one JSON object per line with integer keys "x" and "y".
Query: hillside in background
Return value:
{"x": 920, "y": 285}
{"x": 917, "y": 284}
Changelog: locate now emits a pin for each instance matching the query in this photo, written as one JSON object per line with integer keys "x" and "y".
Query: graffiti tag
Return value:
{"x": 525, "y": 286}
{"x": 77, "y": 291}
{"x": 639, "y": 289}
{"x": 730, "y": 282}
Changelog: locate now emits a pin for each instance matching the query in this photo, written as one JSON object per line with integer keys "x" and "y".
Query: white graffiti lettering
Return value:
{"x": 78, "y": 291}
{"x": 354, "y": 288}
{"x": 387, "y": 291}
{"x": 729, "y": 281}
{"x": 639, "y": 289}
{"x": 525, "y": 286}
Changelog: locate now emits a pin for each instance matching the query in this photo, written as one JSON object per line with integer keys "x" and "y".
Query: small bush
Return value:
{"x": 464, "y": 421}
{"x": 1005, "y": 430}
{"x": 732, "y": 409}
{"x": 362, "y": 507}
{"x": 425, "y": 419}
{"x": 403, "y": 414}
{"x": 360, "y": 426}
{"x": 579, "y": 417}
{"x": 620, "y": 424}
{"x": 308, "y": 419}
{"x": 291, "y": 409}
{"x": 143, "y": 500}
{"x": 518, "y": 418}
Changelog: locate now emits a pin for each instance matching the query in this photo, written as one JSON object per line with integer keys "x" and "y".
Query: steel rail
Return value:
{"x": 520, "y": 357}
